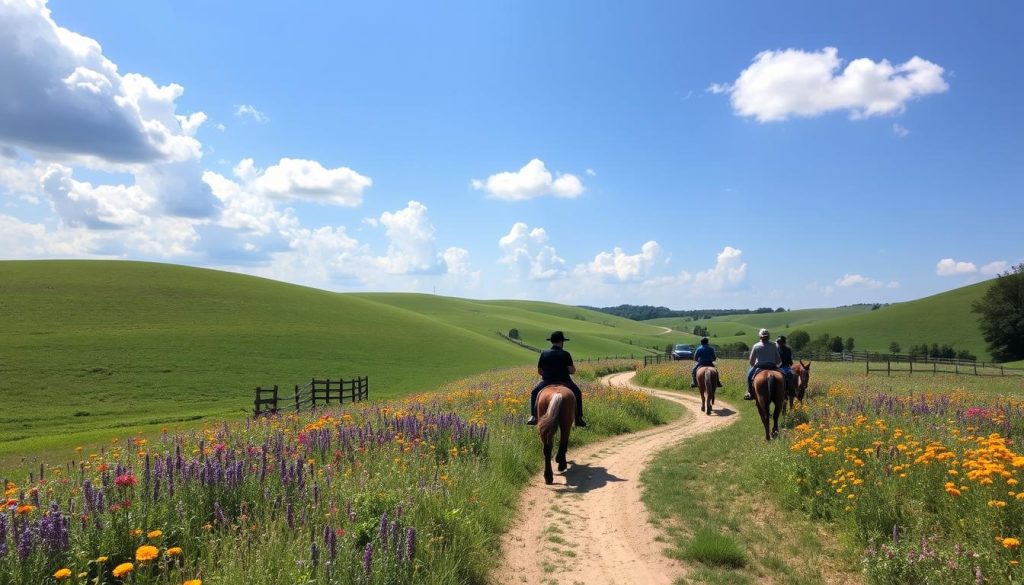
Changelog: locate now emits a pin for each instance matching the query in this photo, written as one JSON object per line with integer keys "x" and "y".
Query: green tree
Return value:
{"x": 894, "y": 347}
{"x": 848, "y": 344}
{"x": 1002, "y": 315}
{"x": 513, "y": 334}
{"x": 836, "y": 344}
{"x": 799, "y": 339}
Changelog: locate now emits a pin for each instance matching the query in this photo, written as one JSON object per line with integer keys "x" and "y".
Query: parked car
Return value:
{"x": 682, "y": 351}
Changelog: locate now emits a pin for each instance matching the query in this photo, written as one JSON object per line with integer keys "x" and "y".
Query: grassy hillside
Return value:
{"x": 944, "y": 318}
{"x": 92, "y": 346}
{"x": 729, "y": 325}
{"x": 591, "y": 334}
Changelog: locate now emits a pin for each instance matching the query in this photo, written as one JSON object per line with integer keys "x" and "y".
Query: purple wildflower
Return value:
{"x": 410, "y": 543}
{"x": 367, "y": 557}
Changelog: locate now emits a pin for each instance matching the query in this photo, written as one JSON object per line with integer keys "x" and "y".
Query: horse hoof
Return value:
{"x": 562, "y": 467}
{"x": 549, "y": 479}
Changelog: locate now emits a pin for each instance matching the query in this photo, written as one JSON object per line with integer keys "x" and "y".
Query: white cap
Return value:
{"x": 763, "y": 333}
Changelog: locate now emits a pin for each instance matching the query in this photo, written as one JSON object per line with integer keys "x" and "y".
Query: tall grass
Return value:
{"x": 417, "y": 490}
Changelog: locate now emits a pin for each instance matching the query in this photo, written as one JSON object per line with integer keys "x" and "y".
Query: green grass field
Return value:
{"x": 90, "y": 348}
{"x": 944, "y": 319}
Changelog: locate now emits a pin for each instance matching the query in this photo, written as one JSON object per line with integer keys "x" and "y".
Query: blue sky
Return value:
{"x": 793, "y": 155}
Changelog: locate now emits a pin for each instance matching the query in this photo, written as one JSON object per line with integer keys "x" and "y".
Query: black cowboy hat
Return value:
{"x": 557, "y": 337}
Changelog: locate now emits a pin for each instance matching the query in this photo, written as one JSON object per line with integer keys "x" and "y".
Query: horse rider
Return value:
{"x": 704, "y": 356}
{"x": 786, "y": 353}
{"x": 555, "y": 367}
{"x": 763, "y": 356}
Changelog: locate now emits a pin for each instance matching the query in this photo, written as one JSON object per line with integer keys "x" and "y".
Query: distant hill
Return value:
{"x": 943, "y": 319}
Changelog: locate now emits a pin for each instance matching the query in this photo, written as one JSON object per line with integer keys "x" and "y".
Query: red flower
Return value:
{"x": 126, "y": 480}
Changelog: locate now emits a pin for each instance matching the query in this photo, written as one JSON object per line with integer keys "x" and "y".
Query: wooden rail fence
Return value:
{"x": 877, "y": 362}
{"x": 308, "y": 395}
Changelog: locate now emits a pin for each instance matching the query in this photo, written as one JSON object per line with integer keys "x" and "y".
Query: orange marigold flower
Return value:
{"x": 174, "y": 551}
{"x": 193, "y": 582}
{"x": 62, "y": 574}
{"x": 146, "y": 553}
{"x": 155, "y": 534}
{"x": 25, "y": 509}
{"x": 1011, "y": 542}
{"x": 123, "y": 569}
{"x": 101, "y": 560}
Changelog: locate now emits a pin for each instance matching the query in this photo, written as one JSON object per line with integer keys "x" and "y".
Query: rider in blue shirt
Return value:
{"x": 704, "y": 356}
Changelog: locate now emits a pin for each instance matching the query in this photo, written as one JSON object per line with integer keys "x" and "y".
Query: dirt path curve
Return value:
{"x": 591, "y": 526}
{"x": 666, "y": 330}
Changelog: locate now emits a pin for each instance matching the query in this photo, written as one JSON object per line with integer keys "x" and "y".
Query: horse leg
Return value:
{"x": 700, "y": 386}
{"x": 563, "y": 446}
{"x": 549, "y": 476}
{"x": 780, "y": 405}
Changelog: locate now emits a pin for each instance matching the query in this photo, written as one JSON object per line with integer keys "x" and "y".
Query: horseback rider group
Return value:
{"x": 555, "y": 366}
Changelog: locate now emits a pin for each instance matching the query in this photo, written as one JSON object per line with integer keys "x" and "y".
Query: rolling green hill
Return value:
{"x": 591, "y": 333}
{"x": 944, "y": 318}
{"x": 87, "y": 347}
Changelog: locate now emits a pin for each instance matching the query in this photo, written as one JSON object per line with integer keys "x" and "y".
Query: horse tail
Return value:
{"x": 549, "y": 421}
{"x": 771, "y": 396}
{"x": 708, "y": 382}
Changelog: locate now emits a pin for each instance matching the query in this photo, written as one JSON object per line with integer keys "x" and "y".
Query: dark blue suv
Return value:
{"x": 682, "y": 351}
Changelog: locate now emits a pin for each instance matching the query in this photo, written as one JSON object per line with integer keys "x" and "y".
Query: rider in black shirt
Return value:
{"x": 555, "y": 367}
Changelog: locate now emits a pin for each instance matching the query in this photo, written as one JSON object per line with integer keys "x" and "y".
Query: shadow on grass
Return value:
{"x": 585, "y": 478}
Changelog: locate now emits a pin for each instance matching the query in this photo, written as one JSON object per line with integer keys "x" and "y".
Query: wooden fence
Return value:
{"x": 873, "y": 363}
{"x": 310, "y": 394}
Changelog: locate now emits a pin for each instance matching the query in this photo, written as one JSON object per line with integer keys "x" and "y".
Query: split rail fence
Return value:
{"x": 309, "y": 395}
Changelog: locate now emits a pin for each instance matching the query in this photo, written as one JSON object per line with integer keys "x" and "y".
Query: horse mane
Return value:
{"x": 549, "y": 422}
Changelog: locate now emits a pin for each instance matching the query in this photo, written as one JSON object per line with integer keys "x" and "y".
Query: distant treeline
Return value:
{"x": 645, "y": 312}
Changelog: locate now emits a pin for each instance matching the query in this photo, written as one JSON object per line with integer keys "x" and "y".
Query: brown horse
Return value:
{"x": 707, "y": 381}
{"x": 770, "y": 388}
{"x": 802, "y": 372}
{"x": 556, "y": 406}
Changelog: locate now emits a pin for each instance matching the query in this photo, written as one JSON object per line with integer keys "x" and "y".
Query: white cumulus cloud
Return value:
{"x": 412, "y": 248}
{"x": 80, "y": 204}
{"x": 994, "y": 268}
{"x": 900, "y": 131}
{"x": 951, "y": 267}
{"x": 302, "y": 179}
{"x": 621, "y": 267}
{"x": 247, "y": 111}
{"x": 858, "y": 280}
{"x": 786, "y": 83}
{"x": 531, "y": 181}
{"x": 528, "y": 254}
{"x": 62, "y": 97}
{"x": 729, "y": 272}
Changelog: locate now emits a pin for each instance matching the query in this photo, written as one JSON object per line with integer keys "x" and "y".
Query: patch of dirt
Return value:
{"x": 591, "y": 525}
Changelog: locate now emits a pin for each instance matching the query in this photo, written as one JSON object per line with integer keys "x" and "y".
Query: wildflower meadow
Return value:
{"x": 917, "y": 477}
{"x": 415, "y": 490}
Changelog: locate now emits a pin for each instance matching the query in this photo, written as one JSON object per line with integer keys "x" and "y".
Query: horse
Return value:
{"x": 707, "y": 381}
{"x": 802, "y": 372}
{"x": 770, "y": 388}
{"x": 556, "y": 406}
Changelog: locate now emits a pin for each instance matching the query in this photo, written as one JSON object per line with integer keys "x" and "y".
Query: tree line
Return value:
{"x": 645, "y": 312}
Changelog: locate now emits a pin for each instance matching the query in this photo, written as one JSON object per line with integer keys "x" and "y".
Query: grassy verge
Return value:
{"x": 713, "y": 496}
{"x": 416, "y": 490}
{"x": 906, "y": 479}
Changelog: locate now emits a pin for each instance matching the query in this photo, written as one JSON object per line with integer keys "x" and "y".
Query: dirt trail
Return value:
{"x": 591, "y": 526}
